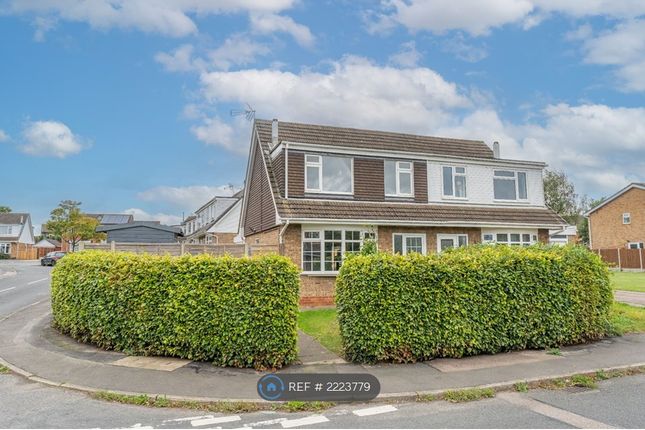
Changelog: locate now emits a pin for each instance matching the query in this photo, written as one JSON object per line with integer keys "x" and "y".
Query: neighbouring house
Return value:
{"x": 141, "y": 232}
{"x": 619, "y": 221}
{"x": 46, "y": 245}
{"x": 17, "y": 236}
{"x": 315, "y": 193}
{"x": 216, "y": 222}
{"x": 564, "y": 236}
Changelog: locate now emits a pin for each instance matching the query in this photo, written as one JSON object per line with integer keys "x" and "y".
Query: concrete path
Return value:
{"x": 633, "y": 298}
{"x": 28, "y": 342}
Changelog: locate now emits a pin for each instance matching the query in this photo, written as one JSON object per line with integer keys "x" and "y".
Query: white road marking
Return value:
{"x": 178, "y": 420}
{"x": 215, "y": 420}
{"x": 552, "y": 412}
{"x": 39, "y": 280}
{"x": 374, "y": 411}
{"x": 7, "y": 289}
{"x": 313, "y": 419}
{"x": 265, "y": 423}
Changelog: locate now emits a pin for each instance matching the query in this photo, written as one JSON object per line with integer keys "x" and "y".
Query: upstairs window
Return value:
{"x": 328, "y": 174}
{"x": 509, "y": 185}
{"x": 627, "y": 218}
{"x": 5, "y": 229}
{"x": 454, "y": 182}
{"x": 398, "y": 178}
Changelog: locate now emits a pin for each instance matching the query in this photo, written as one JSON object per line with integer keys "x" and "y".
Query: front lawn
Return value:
{"x": 628, "y": 281}
{"x": 322, "y": 325}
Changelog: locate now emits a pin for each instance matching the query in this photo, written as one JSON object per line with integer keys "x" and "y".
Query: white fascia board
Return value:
{"x": 421, "y": 223}
{"x": 413, "y": 155}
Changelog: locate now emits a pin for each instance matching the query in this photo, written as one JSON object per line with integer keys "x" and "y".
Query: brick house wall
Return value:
{"x": 606, "y": 224}
{"x": 385, "y": 235}
{"x": 223, "y": 238}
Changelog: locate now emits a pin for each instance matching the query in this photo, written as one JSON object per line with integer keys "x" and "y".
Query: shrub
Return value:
{"x": 4, "y": 256}
{"x": 238, "y": 312}
{"x": 479, "y": 299}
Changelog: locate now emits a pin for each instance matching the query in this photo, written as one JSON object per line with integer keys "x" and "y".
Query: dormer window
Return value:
{"x": 398, "y": 178}
{"x": 328, "y": 174}
{"x": 454, "y": 182}
{"x": 510, "y": 185}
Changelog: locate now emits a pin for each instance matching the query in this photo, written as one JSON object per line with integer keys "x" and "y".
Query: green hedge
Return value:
{"x": 473, "y": 300}
{"x": 238, "y": 312}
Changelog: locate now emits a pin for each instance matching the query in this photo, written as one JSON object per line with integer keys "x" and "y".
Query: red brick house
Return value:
{"x": 314, "y": 193}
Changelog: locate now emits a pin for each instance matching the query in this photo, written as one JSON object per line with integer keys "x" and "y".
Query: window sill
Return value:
{"x": 330, "y": 274}
{"x": 461, "y": 199}
{"x": 516, "y": 202}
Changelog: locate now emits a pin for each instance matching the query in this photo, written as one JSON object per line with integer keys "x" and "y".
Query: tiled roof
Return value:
{"x": 13, "y": 218}
{"x": 371, "y": 139}
{"x": 414, "y": 213}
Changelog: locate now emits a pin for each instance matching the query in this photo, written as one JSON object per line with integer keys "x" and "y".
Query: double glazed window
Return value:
{"x": 627, "y": 218}
{"x": 510, "y": 185}
{"x": 5, "y": 248}
{"x": 635, "y": 245}
{"x": 407, "y": 243}
{"x": 328, "y": 174}
{"x": 449, "y": 241}
{"x": 398, "y": 178}
{"x": 5, "y": 229}
{"x": 323, "y": 250}
{"x": 454, "y": 182}
{"x": 517, "y": 239}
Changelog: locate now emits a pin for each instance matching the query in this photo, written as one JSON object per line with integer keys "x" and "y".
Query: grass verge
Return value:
{"x": 468, "y": 395}
{"x": 627, "y": 319}
{"x": 322, "y": 325}
{"x": 4, "y": 369}
{"x": 628, "y": 281}
{"x": 218, "y": 407}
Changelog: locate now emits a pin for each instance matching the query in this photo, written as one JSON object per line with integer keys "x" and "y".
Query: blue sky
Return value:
{"x": 125, "y": 105}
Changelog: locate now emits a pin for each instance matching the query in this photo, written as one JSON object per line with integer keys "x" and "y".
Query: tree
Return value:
{"x": 560, "y": 195}
{"x": 5, "y": 209}
{"x": 583, "y": 225}
{"x": 70, "y": 225}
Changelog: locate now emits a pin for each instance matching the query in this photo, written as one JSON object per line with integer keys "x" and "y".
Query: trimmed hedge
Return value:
{"x": 472, "y": 300}
{"x": 238, "y": 312}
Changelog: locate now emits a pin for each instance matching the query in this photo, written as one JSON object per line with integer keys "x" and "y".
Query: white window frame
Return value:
{"x": 639, "y": 245}
{"x": 404, "y": 236}
{"x": 5, "y": 248}
{"x": 627, "y": 218}
{"x": 515, "y": 178}
{"x": 454, "y": 174}
{"x": 398, "y": 170}
{"x": 321, "y": 241}
{"x": 8, "y": 230}
{"x": 319, "y": 165}
{"x": 454, "y": 237}
{"x": 532, "y": 236}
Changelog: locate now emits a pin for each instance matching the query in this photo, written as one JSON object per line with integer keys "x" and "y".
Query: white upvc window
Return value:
{"x": 5, "y": 248}
{"x": 6, "y": 229}
{"x": 399, "y": 178}
{"x": 406, "y": 243}
{"x": 635, "y": 245}
{"x": 627, "y": 218}
{"x": 454, "y": 182}
{"x": 449, "y": 241}
{"x": 510, "y": 238}
{"x": 323, "y": 249}
{"x": 329, "y": 174}
{"x": 510, "y": 185}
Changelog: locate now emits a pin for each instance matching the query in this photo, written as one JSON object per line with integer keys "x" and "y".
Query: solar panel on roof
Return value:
{"x": 115, "y": 219}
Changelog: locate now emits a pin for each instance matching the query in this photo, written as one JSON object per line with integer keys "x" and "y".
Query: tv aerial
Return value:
{"x": 248, "y": 113}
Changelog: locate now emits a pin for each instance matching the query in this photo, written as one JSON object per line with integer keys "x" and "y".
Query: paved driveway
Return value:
{"x": 630, "y": 297}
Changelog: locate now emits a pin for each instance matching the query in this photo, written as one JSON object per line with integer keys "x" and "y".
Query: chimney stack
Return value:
{"x": 274, "y": 132}
{"x": 496, "y": 149}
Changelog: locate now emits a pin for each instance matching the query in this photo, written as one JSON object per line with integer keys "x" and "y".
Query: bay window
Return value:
{"x": 398, "y": 178}
{"x": 509, "y": 185}
{"x": 328, "y": 174}
{"x": 454, "y": 182}
{"x": 323, "y": 250}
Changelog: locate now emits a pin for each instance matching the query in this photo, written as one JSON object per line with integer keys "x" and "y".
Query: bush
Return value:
{"x": 238, "y": 312}
{"x": 4, "y": 256}
{"x": 479, "y": 299}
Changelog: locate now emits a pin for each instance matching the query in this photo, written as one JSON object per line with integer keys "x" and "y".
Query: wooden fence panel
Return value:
{"x": 263, "y": 249}
{"x": 623, "y": 258}
{"x": 630, "y": 259}
{"x": 174, "y": 249}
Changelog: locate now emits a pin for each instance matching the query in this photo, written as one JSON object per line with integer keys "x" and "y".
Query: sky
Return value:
{"x": 126, "y": 105}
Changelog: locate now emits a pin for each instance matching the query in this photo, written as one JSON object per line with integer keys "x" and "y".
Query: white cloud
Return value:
{"x": 408, "y": 56}
{"x": 167, "y": 17}
{"x": 50, "y": 139}
{"x": 186, "y": 198}
{"x": 141, "y": 215}
{"x": 3, "y": 136}
{"x": 233, "y": 137}
{"x": 236, "y": 50}
{"x": 623, "y": 47}
{"x": 479, "y": 17}
{"x": 180, "y": 60}
{"x": 464, "y": 51}
{"x": 267, "y": 23}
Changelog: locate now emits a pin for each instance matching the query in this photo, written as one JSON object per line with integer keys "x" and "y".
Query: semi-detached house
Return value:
{"x": 317, "y": 192}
